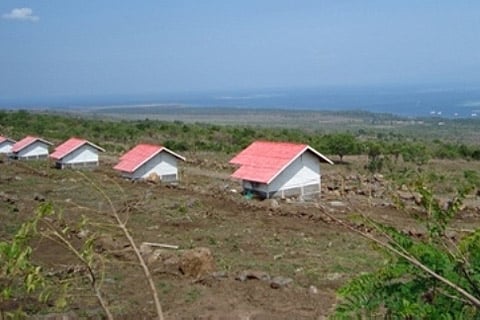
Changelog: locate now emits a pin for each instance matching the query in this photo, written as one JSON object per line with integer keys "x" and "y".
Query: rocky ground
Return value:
{"x": 213, "y": 253}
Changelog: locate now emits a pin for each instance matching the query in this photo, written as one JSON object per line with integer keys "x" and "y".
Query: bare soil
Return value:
{"x": 289, "y": 239}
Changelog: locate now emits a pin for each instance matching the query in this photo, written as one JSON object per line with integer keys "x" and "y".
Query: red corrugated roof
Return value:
{"x": 69, "y": 146}
{"x": 25, "y": 142}
{"x": 262, "y": 161}
{"x": 140, "y": 154}
{"x": 3, "y": 139}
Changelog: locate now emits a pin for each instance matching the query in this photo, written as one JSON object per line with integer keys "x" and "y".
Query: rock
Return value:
{"x": 220, "y": 275}
{"x": 84, "y": 233}
{"x": 336, "y": 193}
{"x": 273, "y": 203}
{"x": 192, "y": 203}
{"x": 108, "y": 243}
{"x": 166, "y": 261}
{"x": 145, "y": 250}
{"x": 337, "y": 204}
{"x": 312, "y": 289}
{"x": 38, "y": 197}
{"x": 252, "y": 274}
{"x": 280, "y": 282}
{"x": 405, "y": 195}
{"x": 333, "y": 276}
{"x": 153, "y": 178}
{"x": 11, "y": 199}
{"x": 197, "y": 262}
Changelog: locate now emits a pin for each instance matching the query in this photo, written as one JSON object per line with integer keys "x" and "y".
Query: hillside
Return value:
{"x": 251, "y": 241}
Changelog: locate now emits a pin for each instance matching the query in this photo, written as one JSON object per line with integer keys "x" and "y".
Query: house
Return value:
{"x": 145, "y": 159}
{"x": 6, "y": 145}
{"x": 30, "y": 148}
{"x": 279, "y": 169}
{"x": 76, "y": 153}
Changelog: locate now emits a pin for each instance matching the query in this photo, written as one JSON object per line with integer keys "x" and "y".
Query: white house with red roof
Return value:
{"x": 76, "y": 153}
{"x": 145, "y": 159}
{"x": 6, "y": 145}
{"x": 279, "y": 169}
{"x": 30, "y": 148}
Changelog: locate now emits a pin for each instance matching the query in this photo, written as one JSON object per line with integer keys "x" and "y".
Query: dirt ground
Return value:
{"x": 289, "y": 240}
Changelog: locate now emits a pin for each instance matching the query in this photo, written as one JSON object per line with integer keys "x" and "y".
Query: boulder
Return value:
{"x": 273, "y": 203}
{"x": 197, "y": 262}
{"x": 153, "y": 178}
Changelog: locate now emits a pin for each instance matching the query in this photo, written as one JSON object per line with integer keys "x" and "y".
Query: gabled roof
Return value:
{"x": 71, "y": 145}
{"x": 139, "y": 155}
{"x": 3, "y": 139}
{"x": 25, "y": 142}
{"x": 263, "y": 161}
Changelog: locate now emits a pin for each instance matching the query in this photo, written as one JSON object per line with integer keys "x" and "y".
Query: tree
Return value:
{"x": 416, "y": 153}
{"x": 374, "y": 153}
{"x": 341, "y": 144}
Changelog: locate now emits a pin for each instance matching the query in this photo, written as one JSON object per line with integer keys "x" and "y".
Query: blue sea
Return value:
{"x": 408, "y": 101}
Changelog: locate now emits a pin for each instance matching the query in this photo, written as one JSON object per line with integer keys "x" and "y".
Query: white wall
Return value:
{"x": 162, "y": 164}
{"x": 305, "y": 170}
{"x": 85, "y": 153}
{"x": 36, "y": 149}
{"x": 6, "y": 147}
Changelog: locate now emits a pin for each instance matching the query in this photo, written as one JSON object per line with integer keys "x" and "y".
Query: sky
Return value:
{"x": 105, "y": 47}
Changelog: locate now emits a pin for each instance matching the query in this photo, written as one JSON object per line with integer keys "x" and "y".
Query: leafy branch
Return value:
{"x": 423, "y": 277}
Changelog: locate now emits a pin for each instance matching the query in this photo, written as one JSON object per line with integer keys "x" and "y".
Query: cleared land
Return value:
{"x": 289, "y": 239}
{"x": 251, "y": 241}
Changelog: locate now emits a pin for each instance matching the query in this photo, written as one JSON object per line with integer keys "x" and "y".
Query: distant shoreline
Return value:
{"x": 409, "y": 102}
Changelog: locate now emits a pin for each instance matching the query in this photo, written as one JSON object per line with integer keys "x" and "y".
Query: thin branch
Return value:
{"x": 473, "y": 300}
{"x": 91, "y": 273}
{"x": 127, "y": 234}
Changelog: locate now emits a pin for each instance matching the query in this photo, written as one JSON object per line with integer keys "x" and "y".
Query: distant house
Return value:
{"x": 76, "y": 153}
{"x": 145, "y": 159}
{"x": 6, "y": 145}
{"x": 30, "y": 148}
{"x": 279, "y": 169}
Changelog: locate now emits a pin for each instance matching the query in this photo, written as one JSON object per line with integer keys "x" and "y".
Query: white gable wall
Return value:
{"x": 305, "y": 170}
{"x": 162, "y": 164}
{"x": 37, "y": 149}
{"x": 6, "y": 146}
{"x": 85, "y": 154}
{"x": 301, "y": 173}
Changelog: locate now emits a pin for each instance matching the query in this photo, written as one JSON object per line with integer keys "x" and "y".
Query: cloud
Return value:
{"x": 22, "y": 14}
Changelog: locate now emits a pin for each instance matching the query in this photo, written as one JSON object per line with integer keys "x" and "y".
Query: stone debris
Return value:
{"x": 312, "y": 289}
{"x": 252, "y": 274}
{"x": 280, "y": 282}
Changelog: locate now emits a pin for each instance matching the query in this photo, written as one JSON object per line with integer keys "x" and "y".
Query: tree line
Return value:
{"x": 118, "y": 136}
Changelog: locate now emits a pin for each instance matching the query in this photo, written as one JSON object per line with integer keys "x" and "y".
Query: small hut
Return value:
{"x": 145, "y": 159}
{"x": 30, "y": 148}
{"x": 76, "y": 153}
{"x": 6, "y": 145}
{"x": 279, "y": 169}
